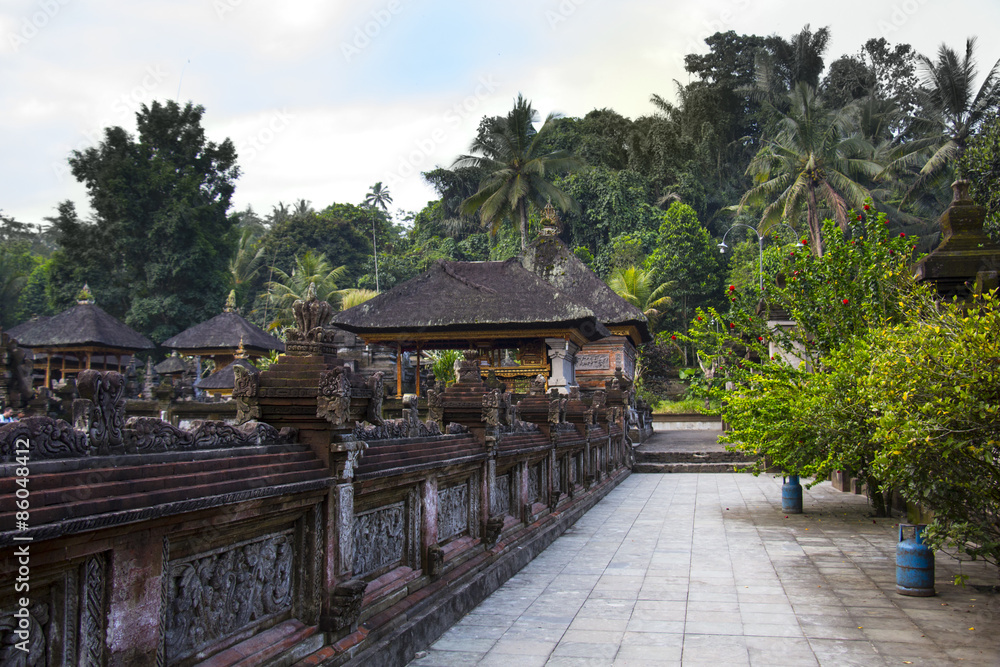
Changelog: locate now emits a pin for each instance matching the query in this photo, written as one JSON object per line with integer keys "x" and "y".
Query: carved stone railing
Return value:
{"x": 100, "y": 428}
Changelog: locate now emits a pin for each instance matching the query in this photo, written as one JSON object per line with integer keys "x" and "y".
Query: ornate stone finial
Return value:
{"x": 84, "y": 296}
{"x": 311, "y": 317}
{"x": 241, "y": 352}
{"x": 550, "y": 220}
{"x": 960, "y": 188}
{"x": 230, "y": 306}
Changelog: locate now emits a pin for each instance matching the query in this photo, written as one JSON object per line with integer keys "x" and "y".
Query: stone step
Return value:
{"x": 692, "y": 467}
{"x": 689, "y": 457}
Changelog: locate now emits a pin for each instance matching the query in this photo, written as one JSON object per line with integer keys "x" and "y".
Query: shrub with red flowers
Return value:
{"x": 795, "y": 398}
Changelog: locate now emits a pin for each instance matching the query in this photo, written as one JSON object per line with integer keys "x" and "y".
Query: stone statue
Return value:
{"x": 245, "y": 389}
{"x": 377, "y": 387}
{"x": 333, "y": 400}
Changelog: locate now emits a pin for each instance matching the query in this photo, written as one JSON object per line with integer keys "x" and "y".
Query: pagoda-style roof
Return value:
{"x": 225, "y": 378}
{"x": 84, "y": 325}
{"x": 224, "y": 333}
{"x": 466, "y": 297}
{"x": 550, "y": 259}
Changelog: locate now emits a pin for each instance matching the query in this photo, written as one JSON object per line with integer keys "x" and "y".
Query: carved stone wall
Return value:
{"x": 386, "y": 536}
{"x": 453, "y": 512}
{"x": 66, "y": 619}
{"x": 214, "y": 595}
{"x": 535, "y": 476}
{"x": 500, "y": 497}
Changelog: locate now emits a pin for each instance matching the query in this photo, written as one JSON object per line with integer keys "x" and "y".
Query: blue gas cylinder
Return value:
{"x": 791, "y": 495}
{"x": 914, "y": 564}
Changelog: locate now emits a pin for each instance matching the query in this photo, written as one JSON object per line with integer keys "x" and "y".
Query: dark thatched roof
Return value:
{"x": 550, "y": 259}
{"x": 83, "y": 325}
{"x": 454, "y": 296}
{"x": 170, "y": 365}
{"x": 17, "y": 332}
{"x": 224, "y": 332}
{"x": 224, "y": 379}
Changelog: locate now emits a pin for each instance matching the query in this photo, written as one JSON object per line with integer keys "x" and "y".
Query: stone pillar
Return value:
{"x": 341, "y": 565}
{"x": 429, "y": 527}
{"x": 133, "y": 630}
{"x": 562, "y": 356}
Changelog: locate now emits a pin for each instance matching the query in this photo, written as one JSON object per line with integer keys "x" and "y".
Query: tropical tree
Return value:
{"x": 378, "y": 197}
{"x": 635, "y": 285}
{"x": 160, "y": 201}
{"x": 354, "y": 297}
{"x": 816, "y": 155}
{"x": 952, "y": 109}
{"x": 310, "y": 269}
{"x": 509, "y": 150}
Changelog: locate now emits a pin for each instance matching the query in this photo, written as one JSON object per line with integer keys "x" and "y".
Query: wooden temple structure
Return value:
{"x": 222, "y": 336}
{"x": 78, "y": 339}
{"x": 542, "y": 312}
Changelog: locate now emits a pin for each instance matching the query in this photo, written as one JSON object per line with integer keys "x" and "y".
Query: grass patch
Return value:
{"x": 687, "y": 406}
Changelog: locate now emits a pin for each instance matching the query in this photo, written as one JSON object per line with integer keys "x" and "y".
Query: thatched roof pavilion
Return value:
{"x": 545, "y": 303}
{"x": 221, "y": 336}
{"x": 84, "y": 332}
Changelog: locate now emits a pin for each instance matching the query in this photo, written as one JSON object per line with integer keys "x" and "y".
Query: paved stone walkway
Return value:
{"x": 695, "y": 569}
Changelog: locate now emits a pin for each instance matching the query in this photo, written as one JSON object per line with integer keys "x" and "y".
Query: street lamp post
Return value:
{"x": 760, "y": 248}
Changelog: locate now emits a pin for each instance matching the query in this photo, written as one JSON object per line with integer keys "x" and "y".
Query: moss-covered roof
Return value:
{"x": 225, "y": 378}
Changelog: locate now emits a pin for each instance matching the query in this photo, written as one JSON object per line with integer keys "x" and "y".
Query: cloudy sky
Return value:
{"x": 325, "y": 97}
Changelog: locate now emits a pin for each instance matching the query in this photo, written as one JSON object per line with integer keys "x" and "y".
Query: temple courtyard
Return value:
{"x": 690, "y": 569}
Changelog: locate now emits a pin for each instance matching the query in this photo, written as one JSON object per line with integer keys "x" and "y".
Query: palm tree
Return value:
{"x": 952, "y": 108}
{"x": 816, "y": 155}
{"x": 635, "y": 285}
{"x": 247, "y": 260}
{"x": 310, "y": 269}
{"x": 509, "y": 150}
{"x": 377, "y": 197}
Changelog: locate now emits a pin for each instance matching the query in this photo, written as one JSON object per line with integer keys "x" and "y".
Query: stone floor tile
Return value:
{"x": 522, "y": 646}
{"x": 435, "y": 658}
{"x": 576, "y": 649}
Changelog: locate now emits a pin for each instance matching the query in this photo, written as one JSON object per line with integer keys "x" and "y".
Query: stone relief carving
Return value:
{"x": 245, "y": 390}
{"x": 47, "y": 439}
{"x": 37, "y": 654}
{"x": 106, "y": 391}
{"x": 311, "y": 316}
{"x": 345, "y": 605}
{"x": 453, "y": 512}
{"x": 377, "y": 388}
{"x": 494, "y": 528}
{"x": 468, "y": 368}
{"x": 534, "y": 483}
{"x": 379, "y": 538}
{"x": 592, "y": 362}
{"x": 355, "y": 450}
{"x": 537, "y": 385}
{"x": 500, "y": 498}
{"x": 333, "y": 400}
{"x": 212, "y": 596}
{"x": 557, "y": 407}
{"x": 15, "y": 372}
{"x": 491, "y": 409}
{"x": 148, "y": 434}
{"x": 435, "y": 560}
{"x": 435, "y": 404}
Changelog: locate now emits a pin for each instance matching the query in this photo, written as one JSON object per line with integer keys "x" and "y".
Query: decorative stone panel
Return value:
{"x": 66, "y": 618}
{"x": 453, "y": 512}
{"x": 387, "y": 536}
{"x": 214, "y": 595}
{"x": 500, "y": 497}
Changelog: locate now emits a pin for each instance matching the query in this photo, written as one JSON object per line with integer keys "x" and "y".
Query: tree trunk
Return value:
{"x": 875, "y": 497}
{"x": 812, "y": 219}
{"x": 523, "y": 210}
